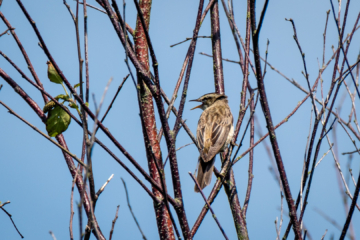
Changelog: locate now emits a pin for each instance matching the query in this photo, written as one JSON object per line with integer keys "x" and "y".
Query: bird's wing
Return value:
{"x": 212, "y": 132}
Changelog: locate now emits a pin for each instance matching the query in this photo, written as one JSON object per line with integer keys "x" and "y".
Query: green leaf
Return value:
{"x": 57, "y": 121}
{"x": 62, "y": 96}
{"x": 87, "y": 104}
{"x": 73, "y": 105}
{"x": 76, "y": 85}
{"x": 49, "y": 105}
{"x": 53, "y": 75}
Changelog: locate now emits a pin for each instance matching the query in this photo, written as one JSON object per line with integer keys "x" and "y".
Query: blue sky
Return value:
{"x": 35, "y": 178}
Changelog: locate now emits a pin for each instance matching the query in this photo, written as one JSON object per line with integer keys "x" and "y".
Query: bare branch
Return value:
{"x": 114, "y": 221}
{"x": 9, "y": 215}
{"x": 209, "y": 206}
{"x": 132, "y": 213}
{"x": 187, "y": 39}
{"x": 52, "y": 235}
{"x": 103, "y": 186}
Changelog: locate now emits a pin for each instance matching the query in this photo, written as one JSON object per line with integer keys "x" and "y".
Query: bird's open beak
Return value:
{"x": 196, "y": 100}
{"x": 197, "y": 107}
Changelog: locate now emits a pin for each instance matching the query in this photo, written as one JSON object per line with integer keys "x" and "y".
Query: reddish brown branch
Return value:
{"x": 26, "y": 57}
{"x": 155, "y": 91}
{"x": 216, "y": 49}
{"x": 147, "y": 114}
{"x": 3, "y": 33}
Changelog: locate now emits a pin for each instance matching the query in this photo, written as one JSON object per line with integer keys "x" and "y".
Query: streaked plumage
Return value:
{"x": 214, "y": 133}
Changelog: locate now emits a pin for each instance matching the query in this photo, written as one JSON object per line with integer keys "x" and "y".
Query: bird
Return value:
{"x": 214, "y": 133}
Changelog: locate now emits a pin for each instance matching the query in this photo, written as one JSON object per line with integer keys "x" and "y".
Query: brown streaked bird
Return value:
{"x": 214, "y": 133}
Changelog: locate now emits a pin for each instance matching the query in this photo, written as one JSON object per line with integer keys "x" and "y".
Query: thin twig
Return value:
{"x": 304, "y": 62}
{"x": 337, "y": 164}
{"x": 324, "y": 35}
{"x": 224, "y": 59}
{"x": 341, "y": 45}
{"x": 9, "y": 215}
{"x": 209, "y": 206}
{"x": 6, "y": 31}
{"x": 304, "y": 164}
{"x": 352, "y": 140}
{"x": 187, "y": 39}
{"x": 277, "y": 126}
{"x": 323, "y": 236}
{"x": 177, "y": 150}
{"x": 352, "y": 176}
{"x": 324, "y": 155}
{"x": 44, "y": 135}
{"x": 72, "y": 205}
{"x": 52, "y": 235}
{"x": 103, "y": 186}
{"x": 91, "y": 6}
{"x": 113, "y": 100}
{"x": 332, "y": 221}
{"x": 114, "y": 221}
{"x": 247, "y": 125}
{"x": 132, "y": 213}
{"x": 356, "y": 151}
{"x": 266, "y": 54}
{"x": 71, "y": 13}
{"x": 329, "y": 128}
{"x": 251, "y": 157}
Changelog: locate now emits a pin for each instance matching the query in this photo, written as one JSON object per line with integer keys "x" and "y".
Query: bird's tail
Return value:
{"x": 204, "y": 173}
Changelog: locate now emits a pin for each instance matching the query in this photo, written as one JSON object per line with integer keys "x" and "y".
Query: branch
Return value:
{"x": 270, "y": 126}
{"x": 103, "y": 187}
{"x": 209, "y": 206}
{"x": 216, "y": 49}
{"x": 6, "y": 31}
{"x": 164, "y": 218}
{"x": 26, "y": 57}
{"x": 113, "y": 222}
{"x": 187, "y": 39}
{"x": 304, "y": 62}
{"x": 132, "y": 213}
{"x": 341, "y": 34}
{"x": 9, "y": 215}
{"x": 147, "y": 177}
{"x": 43, "y": 134}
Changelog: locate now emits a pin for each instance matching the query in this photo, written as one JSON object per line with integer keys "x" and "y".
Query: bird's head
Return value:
{"x": 208, "y": 99}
